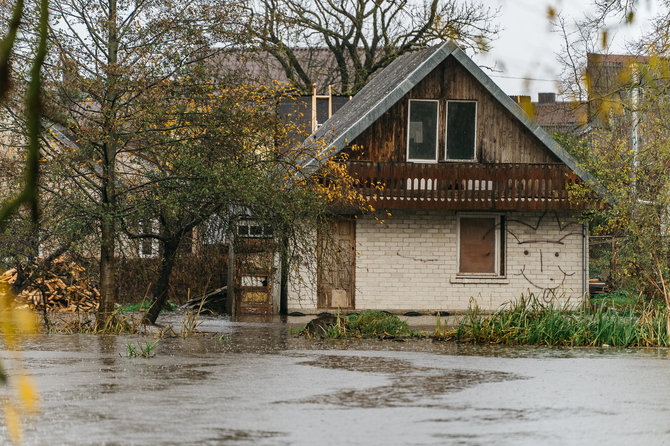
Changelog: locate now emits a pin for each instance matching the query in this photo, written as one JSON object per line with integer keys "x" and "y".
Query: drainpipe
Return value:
{"x": 585, "y": 266}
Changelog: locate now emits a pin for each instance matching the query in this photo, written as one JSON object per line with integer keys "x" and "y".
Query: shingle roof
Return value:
{"x": 394, "y": 82}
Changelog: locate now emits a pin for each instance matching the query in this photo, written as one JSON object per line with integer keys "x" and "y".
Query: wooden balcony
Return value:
{"x": 465, "y": 186}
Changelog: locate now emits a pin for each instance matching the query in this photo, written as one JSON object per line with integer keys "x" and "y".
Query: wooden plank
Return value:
{"x": 534, "y": 186}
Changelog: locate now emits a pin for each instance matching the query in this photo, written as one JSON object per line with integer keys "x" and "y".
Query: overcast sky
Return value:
{"x": 527, "y": 47}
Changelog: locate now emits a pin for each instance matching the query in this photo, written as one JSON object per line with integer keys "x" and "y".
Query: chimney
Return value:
{"x": 520, "y": 99}
{"x": 525, "y": 104}
{"x": 546, "y": 98}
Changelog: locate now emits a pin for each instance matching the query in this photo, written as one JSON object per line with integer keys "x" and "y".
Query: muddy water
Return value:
{"x": 252, "y": 383}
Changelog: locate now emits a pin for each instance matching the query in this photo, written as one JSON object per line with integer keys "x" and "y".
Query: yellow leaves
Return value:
{"x": 12, "y": 421}
{"x": 14, "y": 322}
{"x": 551, "y": 13}
{"x": 25, "y": 321}
{"x": 610, "y": 106}
{"x": 24, "y": 400}
{"x": 27, "y": 392}
{"x": 625, "y": 76}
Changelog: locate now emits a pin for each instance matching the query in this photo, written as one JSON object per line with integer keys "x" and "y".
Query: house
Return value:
{"x": 618, "y": 89}
{"x": 474, "y": 206}
{"x": 555, "y": 116}
{"x": 613, "y": 77}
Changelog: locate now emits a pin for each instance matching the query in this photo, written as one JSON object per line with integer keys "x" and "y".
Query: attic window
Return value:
{"x": 422, "y": 130}
{"x": 461, "y": 130}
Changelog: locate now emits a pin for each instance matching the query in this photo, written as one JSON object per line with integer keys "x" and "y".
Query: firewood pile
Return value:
{"x": 64, "y": 287}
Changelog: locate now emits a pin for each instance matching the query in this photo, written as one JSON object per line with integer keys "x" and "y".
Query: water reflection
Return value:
{"x": 108, "y": 350}
{"x": 408, "y": 385}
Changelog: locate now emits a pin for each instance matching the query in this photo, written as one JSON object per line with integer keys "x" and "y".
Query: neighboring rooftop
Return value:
{"x": 555, "y": 116}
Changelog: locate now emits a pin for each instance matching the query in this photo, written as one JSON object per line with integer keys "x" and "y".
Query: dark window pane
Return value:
{"x": 422, "y": 130}
{"x": 461, "y": 130}
{"x": 478, "y": 244}
{"x": 146, "y": 247}
{"x": 256, "y": 230}
{"x": 322, "y": 107}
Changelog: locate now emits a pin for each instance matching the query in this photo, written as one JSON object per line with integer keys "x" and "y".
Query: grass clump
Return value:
{"x": 368, "y": 324}
{"x": 144, "y": 306}
{"x": 142, "y": 351}
{"x": 530, "y": 321}
{"x": 86, "y": 323}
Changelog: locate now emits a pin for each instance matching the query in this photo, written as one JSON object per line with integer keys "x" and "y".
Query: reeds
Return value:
{"x": 530, "y": 321}
{"x": 369, "y": 324}
{"x": 142, "y": 351}
{"x": 85, "y": 323}
{"x": 191, "y": 321}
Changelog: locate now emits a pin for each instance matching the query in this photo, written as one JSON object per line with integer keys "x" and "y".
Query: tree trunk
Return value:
{"x": 283, "y": 274}
{"x": 107, "y": 266}
{"x": 159, "y": 290}
{"x": 108, "y": 184}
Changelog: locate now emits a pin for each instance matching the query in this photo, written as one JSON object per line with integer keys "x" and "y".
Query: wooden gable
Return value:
{"x": 500, "y": 136}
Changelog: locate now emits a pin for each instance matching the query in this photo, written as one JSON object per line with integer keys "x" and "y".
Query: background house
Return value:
{"x": 556, "y": 116}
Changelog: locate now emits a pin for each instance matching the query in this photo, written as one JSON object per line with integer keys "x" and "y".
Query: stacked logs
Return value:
{"x": 64, "y": 287}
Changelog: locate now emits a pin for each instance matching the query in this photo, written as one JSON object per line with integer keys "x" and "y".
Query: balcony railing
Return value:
{"x": 464, "y": 186}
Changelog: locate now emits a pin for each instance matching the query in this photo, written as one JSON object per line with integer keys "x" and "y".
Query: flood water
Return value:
{"x": 254, "y": 383}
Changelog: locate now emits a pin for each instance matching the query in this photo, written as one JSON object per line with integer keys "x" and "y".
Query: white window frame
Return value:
{"x": 249, "y": 222}
{"x": 498, "y": 244}
{"x": 437, "y": 132}
{"x": 446, "y": 133}
{"x": 154, "y": 242}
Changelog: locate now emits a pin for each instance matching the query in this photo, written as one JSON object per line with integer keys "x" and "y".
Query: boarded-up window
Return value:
{"x": 478, "y": 244}
{"x": 422, "y": 129}
{"x": 461, "y": 130}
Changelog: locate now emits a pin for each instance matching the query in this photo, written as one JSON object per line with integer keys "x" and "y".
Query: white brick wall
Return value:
{"x": 410, "y": 263}
{"x": 302, "y": 279}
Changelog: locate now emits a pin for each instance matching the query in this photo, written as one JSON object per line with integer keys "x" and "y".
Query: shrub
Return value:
{"x": 369, "y": 324}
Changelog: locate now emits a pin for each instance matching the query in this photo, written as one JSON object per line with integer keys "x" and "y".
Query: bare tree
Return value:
{"x": 111, "y": 69}
{"x": 579, "y": 39}
{"x": 349, "y": 40}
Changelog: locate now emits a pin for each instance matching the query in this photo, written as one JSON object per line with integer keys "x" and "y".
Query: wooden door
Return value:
{"x": 253, "y": 282}
{"x": 337, "y": 265}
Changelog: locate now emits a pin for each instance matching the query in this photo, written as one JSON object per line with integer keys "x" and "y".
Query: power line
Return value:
{"x": 523, "y": 78}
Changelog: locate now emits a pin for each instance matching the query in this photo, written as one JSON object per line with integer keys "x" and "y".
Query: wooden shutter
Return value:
{"x": 477, "y": 245}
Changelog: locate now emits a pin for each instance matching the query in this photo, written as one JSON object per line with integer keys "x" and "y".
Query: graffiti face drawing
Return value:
{"x": 544, "y": 263}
